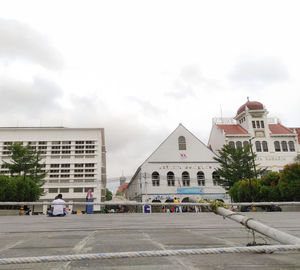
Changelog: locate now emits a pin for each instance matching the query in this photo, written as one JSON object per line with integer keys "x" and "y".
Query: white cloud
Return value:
{"x": 28, "y": 98}
{"x": 140, "y": 68}
{"x": 259, "y": 72}
{"x": 19, "y": 41}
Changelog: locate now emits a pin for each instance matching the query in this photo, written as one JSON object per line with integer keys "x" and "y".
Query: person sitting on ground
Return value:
{"x": 58, "y": 210}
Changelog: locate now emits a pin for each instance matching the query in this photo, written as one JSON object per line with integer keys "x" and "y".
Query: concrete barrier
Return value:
{"x": 9, "y": 212}
{"x": 290, "y": 208}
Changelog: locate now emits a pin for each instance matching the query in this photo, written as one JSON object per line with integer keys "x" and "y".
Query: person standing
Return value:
{"x": 89, "y": 198}
{"x": 176, "y": 207}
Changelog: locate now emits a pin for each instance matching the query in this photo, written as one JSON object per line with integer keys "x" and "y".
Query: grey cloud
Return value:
{"x": 188, "y": 81}
{"x": 20, "y": 41}
{"x": 133, "y": 148}
{"x": 181, "y": 90}
{"x": 90, "y": 111}
{"x": 30, "y": 98}
{"x": 128, "y": 140}
{"x": 259, "y": 71}
{"x": 147, "y": 107}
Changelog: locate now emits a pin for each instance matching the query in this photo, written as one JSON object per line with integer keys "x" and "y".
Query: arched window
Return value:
{"x": 245, "y": 143}
{"x": 186, "y": 179}
{"x": 292, "y": 146}
{"x": 258, "y": 146}
{"x": 239, "y": 144}
{"x": 171, "y": 179}
{"x": 201, "y": 178}
{"x": 181, "y": 143}
{"x": 284, "y": 146}
{"x": 277, "y": 146}
{"x": 215, "y": 177}
{"x": 231, "y": 143}
{"x": 265, "y": 146}
{"x": 155, "y": 179}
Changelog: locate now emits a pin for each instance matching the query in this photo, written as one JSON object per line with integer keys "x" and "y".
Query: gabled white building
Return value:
{"x": 274, "y": 144}
{"x": 182, "y": 167}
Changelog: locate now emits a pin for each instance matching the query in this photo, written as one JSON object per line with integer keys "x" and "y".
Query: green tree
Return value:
{"x": 108, "y": 195}
{"x": 289, "y": 183}
{"x": 16, "y": 189}
{"x": 25, "y": 161}
{"x": 246, "y": 190}
{"x": 236, "y": 164}
{"x": 269, "y": 190}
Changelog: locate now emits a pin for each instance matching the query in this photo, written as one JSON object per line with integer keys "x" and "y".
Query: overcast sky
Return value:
{"x": 139, "y": 68}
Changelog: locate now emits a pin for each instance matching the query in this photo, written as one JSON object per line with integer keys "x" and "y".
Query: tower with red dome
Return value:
{"x": 274, "y": 144}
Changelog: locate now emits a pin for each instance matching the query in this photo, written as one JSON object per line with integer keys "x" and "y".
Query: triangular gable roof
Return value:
{"x": 232, "y": 128}
{"x": 168, "y": 151}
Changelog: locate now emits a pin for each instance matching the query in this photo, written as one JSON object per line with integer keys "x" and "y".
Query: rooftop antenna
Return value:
{"x": 221, "y": 113}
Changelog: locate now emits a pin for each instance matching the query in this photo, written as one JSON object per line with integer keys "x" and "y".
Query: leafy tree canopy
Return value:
{"x": 289, "y": 183}
{"x": 246, "y": 190}
{"x": 236, "y": 164}
{"x": 15, "y": 189}
{"x": 108, "y": 195}
{"x": 274, "y": 186}
{"x": 25, "y": 161}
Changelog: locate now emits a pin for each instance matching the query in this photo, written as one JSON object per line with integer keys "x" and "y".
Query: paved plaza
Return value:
{"x": 26, "y": 236}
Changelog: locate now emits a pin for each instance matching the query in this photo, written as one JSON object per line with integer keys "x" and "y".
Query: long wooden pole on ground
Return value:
{"x": 257, "y": 226}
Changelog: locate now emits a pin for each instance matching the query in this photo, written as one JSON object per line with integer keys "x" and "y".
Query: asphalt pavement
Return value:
{"x": 27, "y": 236}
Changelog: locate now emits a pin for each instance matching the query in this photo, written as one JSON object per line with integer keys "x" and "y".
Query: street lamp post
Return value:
{"x": 254, "y": 167}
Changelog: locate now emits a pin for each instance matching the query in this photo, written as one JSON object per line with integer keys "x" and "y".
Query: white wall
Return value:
{"x": 63, "y": 134}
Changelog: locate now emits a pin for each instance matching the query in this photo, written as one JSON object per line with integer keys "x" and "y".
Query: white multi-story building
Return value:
{"x": 182, "y": 167}
{"x": 74, "y": 158}
{"x": 274, "y": 144}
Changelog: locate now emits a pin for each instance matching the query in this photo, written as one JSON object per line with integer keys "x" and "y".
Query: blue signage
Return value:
{"x": 147, "y": 209}
{"x": 190, "y": 190}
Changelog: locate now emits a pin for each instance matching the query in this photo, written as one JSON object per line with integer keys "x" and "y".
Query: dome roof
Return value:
{"x": 251, "y": 105}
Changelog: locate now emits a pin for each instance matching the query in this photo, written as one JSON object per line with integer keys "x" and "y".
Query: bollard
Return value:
{"x": 21, "y": 212}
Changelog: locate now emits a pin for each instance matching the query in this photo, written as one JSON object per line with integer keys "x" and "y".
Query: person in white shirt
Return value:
{"x": 58, "y": 210}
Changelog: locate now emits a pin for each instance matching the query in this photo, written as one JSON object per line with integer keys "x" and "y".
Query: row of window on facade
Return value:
{"x": 53, "y": 143}
{"x": 68, "y": 152}
{"x": 76, "y": 165}
{"x": 258, "y": 124}
{"x": 68, "y": 175}
{"x": 58, "y": 147}
{"x": 75, "y": 171}
{"x": 71, "y": 181}
{"x": 67, "y": 190}
{"x": 185, "y": 178}
{"x": 263, "y": 146}
{"x": 64, "y": 165}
